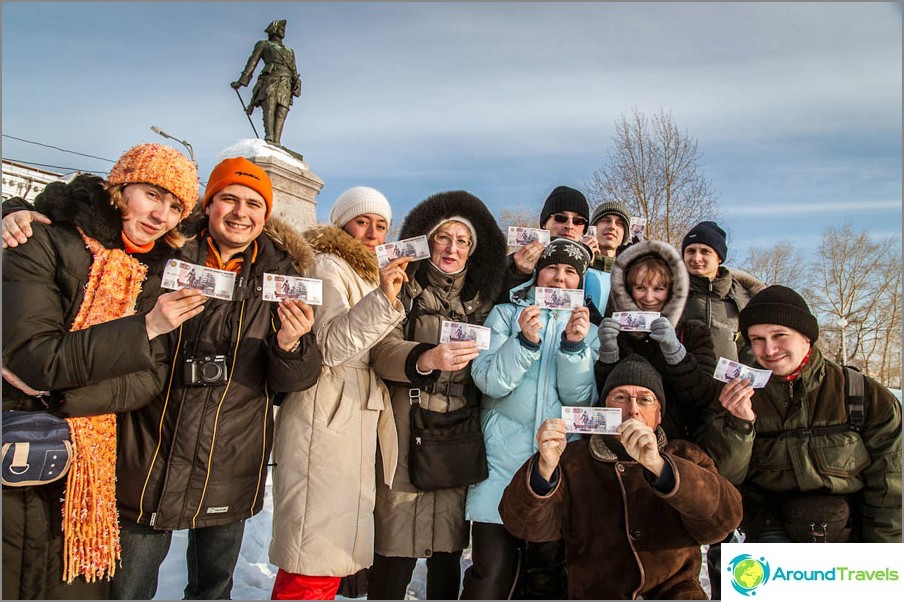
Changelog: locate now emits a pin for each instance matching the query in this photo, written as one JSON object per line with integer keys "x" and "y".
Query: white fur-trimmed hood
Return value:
{"x": 621, "y": 298}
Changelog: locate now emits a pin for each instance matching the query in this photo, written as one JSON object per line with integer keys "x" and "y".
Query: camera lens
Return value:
{"x": 211, "y": 371}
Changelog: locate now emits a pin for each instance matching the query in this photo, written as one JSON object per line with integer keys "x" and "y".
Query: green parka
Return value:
{"x": 865, "y": 466}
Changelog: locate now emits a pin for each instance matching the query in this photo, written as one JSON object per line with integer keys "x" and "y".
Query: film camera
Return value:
{"x": 206, "y": 371}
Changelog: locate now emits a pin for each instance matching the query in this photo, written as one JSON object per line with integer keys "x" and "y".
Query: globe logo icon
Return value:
{"x": 748, "y": 573}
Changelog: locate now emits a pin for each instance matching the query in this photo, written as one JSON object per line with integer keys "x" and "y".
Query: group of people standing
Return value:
{"x": 89, "y": 335}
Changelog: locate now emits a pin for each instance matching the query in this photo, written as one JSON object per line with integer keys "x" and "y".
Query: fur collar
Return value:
{"x": 332, "y": 240}
{"x": 487, "y": 265}
{"x": 85, "y": 203}
{"x": 607, "y": 448}
{"x": 290, "y": 240}
{"x": 621, "y": 298}
{"x": 746, "y": 280}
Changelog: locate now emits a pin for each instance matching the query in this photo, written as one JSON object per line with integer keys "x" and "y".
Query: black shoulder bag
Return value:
{"x": 445, "y": 449}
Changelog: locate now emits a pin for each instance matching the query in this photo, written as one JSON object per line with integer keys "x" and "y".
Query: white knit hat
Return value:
{"x": 463, "y": 220}
{"x": 359, "y": 200}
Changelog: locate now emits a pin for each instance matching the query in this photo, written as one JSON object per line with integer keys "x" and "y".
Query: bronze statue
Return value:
{"x": 277, "y": 83}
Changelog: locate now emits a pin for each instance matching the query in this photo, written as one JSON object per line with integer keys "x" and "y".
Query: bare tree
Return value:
{"x": 856, "y": 294}
{"x": 781, "y": 264}
{"x": 655, "y": 170}
{"x": 520, "y": 216}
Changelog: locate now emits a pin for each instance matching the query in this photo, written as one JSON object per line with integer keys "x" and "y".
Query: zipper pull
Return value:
{"x": 417, "y": 440}
{"x": 153, "y": 518}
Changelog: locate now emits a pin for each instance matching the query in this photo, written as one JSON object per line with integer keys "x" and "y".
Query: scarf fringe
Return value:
{"x": 91, "y": 547}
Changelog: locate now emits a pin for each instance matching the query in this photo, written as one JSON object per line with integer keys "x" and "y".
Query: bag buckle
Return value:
{"x": 414, "y": 396}
{"x": 818, "y": 532}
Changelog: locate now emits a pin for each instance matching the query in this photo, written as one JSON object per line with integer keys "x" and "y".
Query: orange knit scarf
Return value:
{"x": 90, "y": 519}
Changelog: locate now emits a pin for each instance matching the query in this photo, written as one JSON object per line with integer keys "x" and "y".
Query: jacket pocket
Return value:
{"x": 770, "y": 457}
{"x": 332, "y": 407}
{"x": 842, "y": 455}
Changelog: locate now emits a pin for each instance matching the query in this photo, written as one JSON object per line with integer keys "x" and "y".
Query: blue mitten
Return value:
{"x": 662, "y": 332}
{"x": 608, "y": 333}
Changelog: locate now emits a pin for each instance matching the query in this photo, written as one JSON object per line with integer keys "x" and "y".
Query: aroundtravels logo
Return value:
{"x": 748, "y": 573}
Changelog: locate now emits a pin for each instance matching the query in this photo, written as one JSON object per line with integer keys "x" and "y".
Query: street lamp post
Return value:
{"x": 184, "y": 143}
{"x": 842, "y": 323}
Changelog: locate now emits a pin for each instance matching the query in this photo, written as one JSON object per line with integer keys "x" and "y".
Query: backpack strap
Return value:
{"x": 854, "y": 393}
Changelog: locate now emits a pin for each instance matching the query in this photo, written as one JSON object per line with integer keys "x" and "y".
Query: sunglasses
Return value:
{"x": 562, "y": 219}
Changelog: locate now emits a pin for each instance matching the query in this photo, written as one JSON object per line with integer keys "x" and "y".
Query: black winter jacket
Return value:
{"x": 43, "y": 288}
{"x": 197, "y": 456}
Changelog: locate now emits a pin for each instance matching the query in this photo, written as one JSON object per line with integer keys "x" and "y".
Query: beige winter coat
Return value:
{"x": 326, "y": 437}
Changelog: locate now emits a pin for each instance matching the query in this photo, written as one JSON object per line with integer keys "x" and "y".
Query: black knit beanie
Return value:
{"x": 567, "y": 251}
{"x": 635, "y": 370}
{"x": 709, "y": 234}
{"x": 780, "y": 305}
{"x": 562, "y": 199}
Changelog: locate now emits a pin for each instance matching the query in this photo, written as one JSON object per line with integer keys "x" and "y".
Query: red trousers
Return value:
{"x": 292, "y": 586}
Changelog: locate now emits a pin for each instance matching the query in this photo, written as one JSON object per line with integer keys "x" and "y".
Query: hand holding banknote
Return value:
{"x": 173, "y": 309}
{"x": 736, "y": 398}
{"x": 551, "y": 442}
{"x": 296, "y": 318}
{"x": 578, "y": 324}
{"x": 640, "y": 442}
{"x": 393, "y": 276}
{"x": 453, "y": 355}
{"x": 526, "y": 257}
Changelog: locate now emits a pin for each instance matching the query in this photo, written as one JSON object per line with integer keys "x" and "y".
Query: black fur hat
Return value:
{"x": 487, "y": 264}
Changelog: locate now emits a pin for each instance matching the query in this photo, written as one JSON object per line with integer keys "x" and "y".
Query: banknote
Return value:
{"x": 728, "y": 370}
{"x": 595, "y": 420}
{"x": 416, "y": 248}
{"x": 635, "y": 321}
{"x": 638, "y": 227}
{"x": 518, "y": 236}
{"x": 559, "y": 298}
{"x": 460, "y": 331}
{"x": 278, "y": 287}
{"x": 217, "y": 284}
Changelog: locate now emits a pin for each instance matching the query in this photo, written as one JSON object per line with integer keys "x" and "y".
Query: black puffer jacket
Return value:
{"x": 197, "y": 457}
{"x": 689, "y": 384}
{"x": 43, "y": 288}
{"x": 44, "y": 282}
{"x": 718, "y": 303}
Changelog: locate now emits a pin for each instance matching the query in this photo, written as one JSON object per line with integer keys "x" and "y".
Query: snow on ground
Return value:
{"x": 254, "y": 575}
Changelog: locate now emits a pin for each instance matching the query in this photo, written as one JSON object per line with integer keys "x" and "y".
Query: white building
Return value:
{"x": 25, "y": 181}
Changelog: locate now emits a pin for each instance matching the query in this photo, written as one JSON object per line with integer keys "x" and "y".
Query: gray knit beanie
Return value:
{"x": 613, "y": 208}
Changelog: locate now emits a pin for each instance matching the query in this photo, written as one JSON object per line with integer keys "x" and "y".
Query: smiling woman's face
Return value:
{"x": 449, "y": 247}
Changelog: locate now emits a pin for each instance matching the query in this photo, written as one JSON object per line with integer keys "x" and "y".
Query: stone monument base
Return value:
{"x": 295, "y": 186}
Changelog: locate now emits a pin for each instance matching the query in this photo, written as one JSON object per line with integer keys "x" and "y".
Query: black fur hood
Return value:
{"x": 486, "y": 266}
{"x": 85, "y": 203}
{"x": 621, "y": 298}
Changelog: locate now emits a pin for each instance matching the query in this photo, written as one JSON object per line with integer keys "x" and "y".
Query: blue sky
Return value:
{"x": 797, "y": 107}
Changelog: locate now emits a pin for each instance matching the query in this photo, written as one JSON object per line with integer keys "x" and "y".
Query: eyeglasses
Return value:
{"x": 563, "y": 219}
{"x": 445, "y": 240}
{"x": 623, "y": 399}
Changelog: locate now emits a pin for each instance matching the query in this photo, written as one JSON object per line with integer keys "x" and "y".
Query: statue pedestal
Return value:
{"x": 295, "y": 186}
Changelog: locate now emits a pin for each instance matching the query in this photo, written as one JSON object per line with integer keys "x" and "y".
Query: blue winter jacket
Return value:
{"x": 522, "y": 387}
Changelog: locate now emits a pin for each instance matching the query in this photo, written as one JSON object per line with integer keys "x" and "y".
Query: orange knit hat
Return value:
{"x": 239, "y": 170}
{"x": 162, "y": 166}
